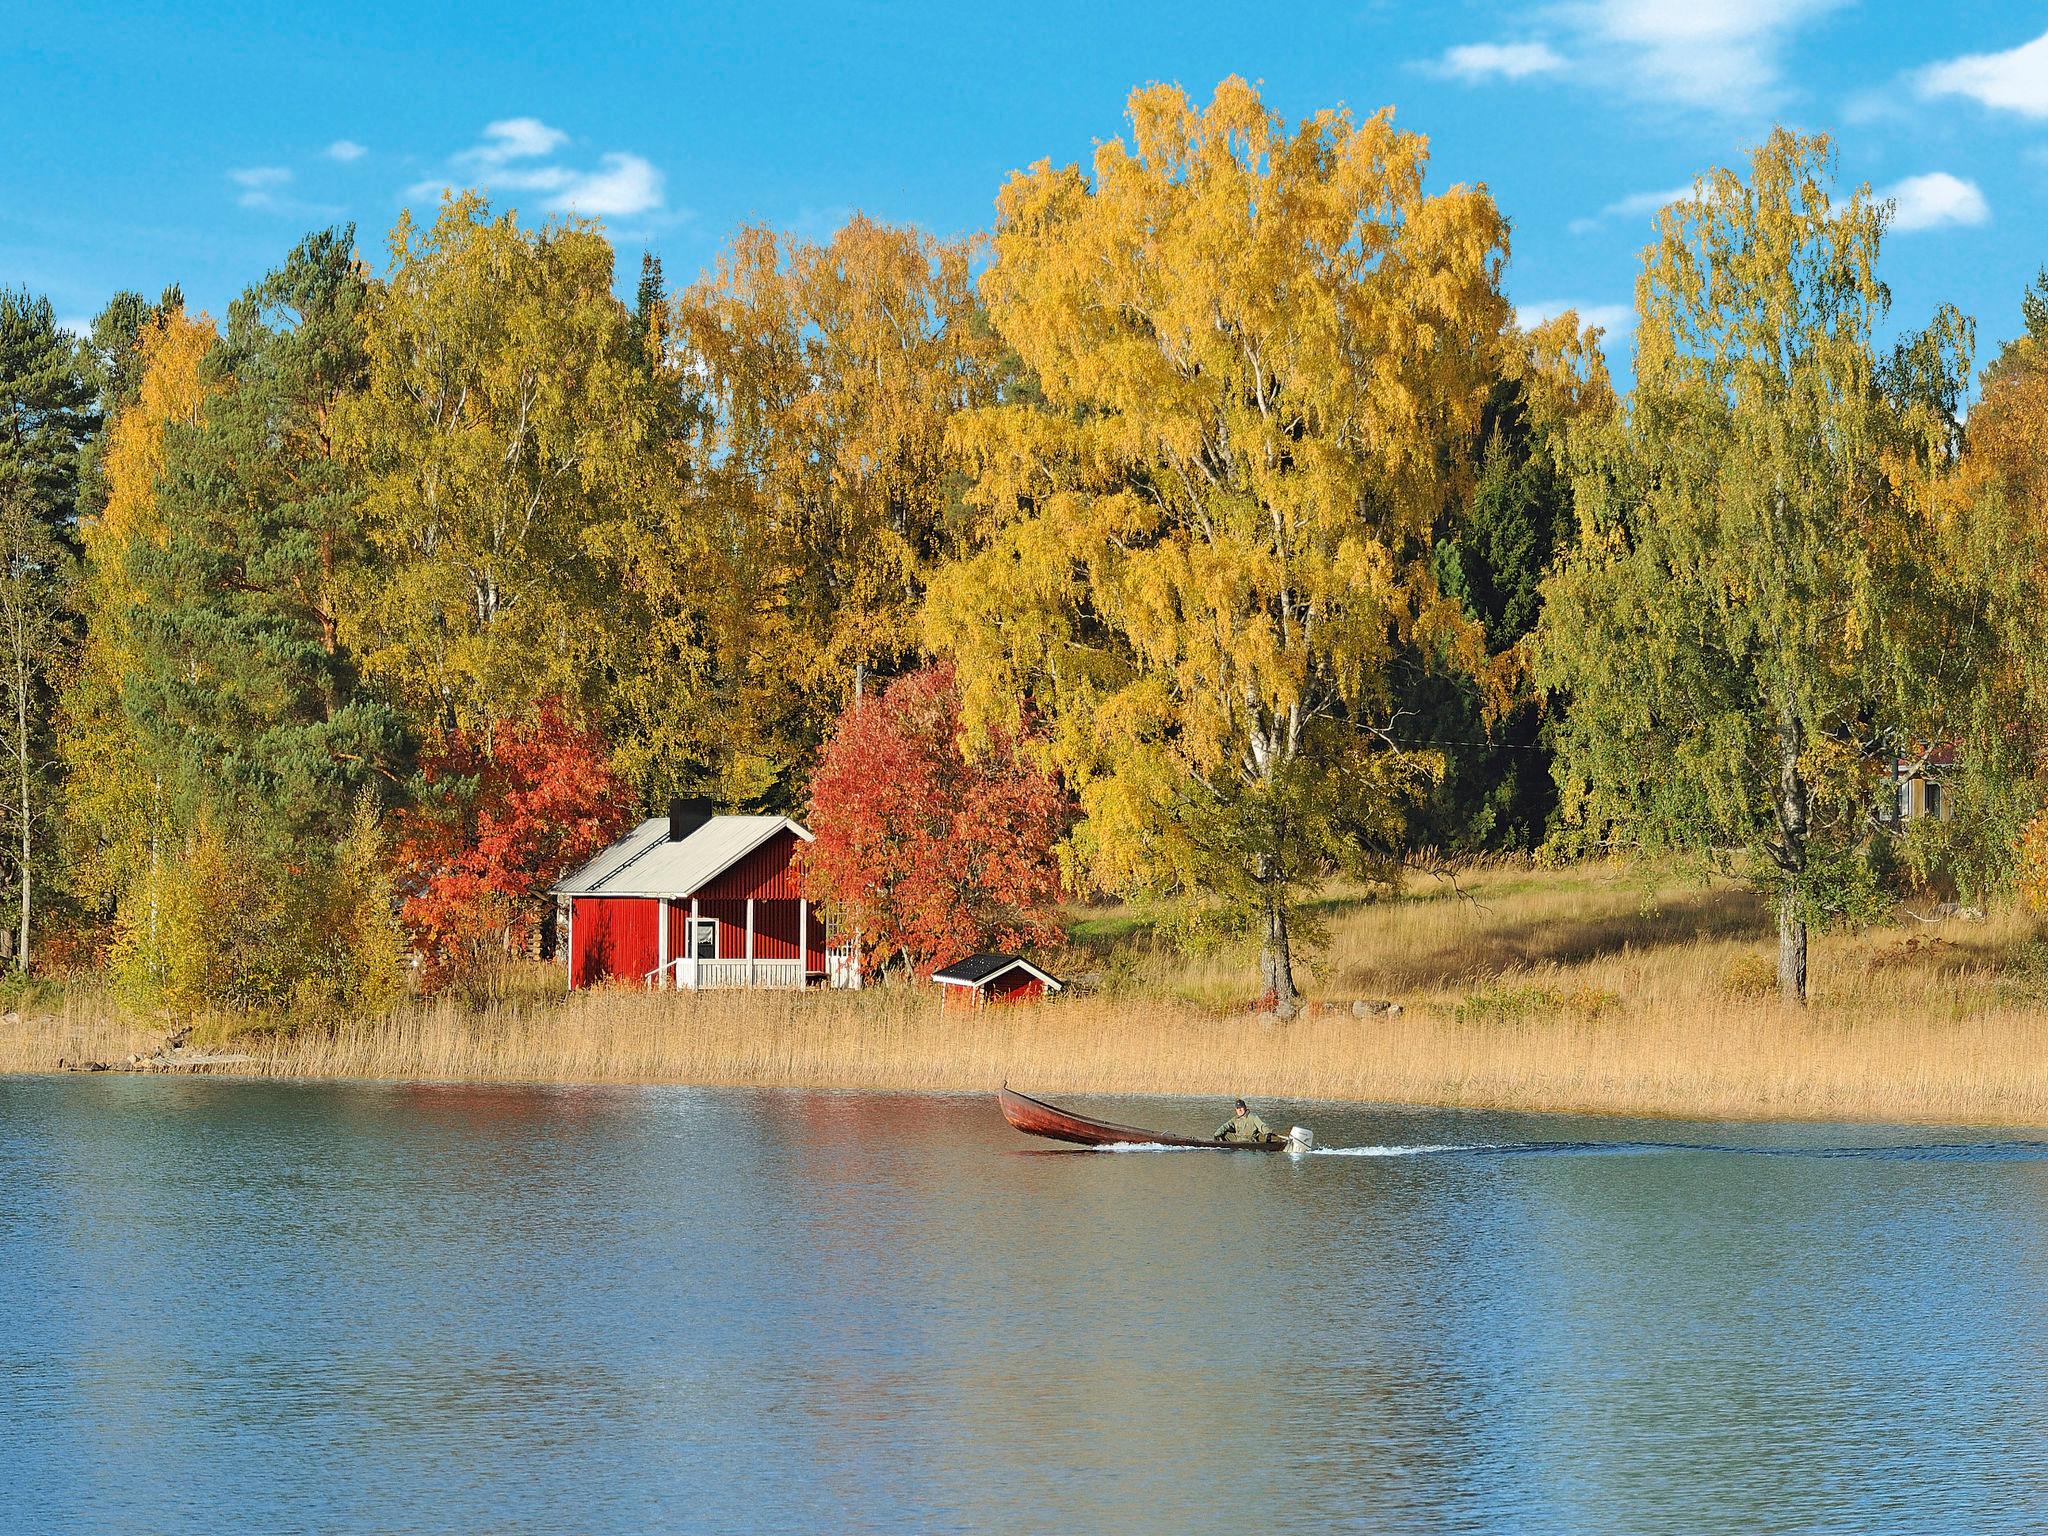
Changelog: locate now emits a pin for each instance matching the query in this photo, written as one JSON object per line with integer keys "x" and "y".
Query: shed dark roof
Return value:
{"x": 977, "y": 969}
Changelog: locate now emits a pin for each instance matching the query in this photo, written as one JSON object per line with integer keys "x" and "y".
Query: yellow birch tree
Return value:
{"x": 825, "y": 491}
{"x": 1264, "y": 352}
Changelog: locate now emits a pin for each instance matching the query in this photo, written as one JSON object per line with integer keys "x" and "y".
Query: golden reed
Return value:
{"x": 1743, "y": 1061}
{"x": 1537, "y": 990}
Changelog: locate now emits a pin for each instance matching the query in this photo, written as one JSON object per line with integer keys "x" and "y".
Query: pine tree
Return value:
{"x": 46, "y": 418}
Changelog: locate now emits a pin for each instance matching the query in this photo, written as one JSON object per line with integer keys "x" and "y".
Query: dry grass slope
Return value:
{"x": 1587, "y": 989}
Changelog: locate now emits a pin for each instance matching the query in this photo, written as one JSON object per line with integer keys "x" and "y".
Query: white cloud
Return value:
{"x": 260, "y": 184}
{"x": 2013, "y": 81}
{"x": 345, "y": 150}
{"x": 627, "y": 184}
{"x": 518, "y": 154}
{"x": 1511, "y": 61}
{"x": 1715, "y": 55}
{"x": 1634, "y": 206}
{"x": 1936, "y": 199}
{"x": 514, "y": 138}
{"x": 1614, "y": 319}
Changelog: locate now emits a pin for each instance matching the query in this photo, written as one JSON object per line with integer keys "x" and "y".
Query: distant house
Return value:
{"x": 1920, "y": 785}
{"x": 982, "y": 979}
{"x": 699, "y": 900}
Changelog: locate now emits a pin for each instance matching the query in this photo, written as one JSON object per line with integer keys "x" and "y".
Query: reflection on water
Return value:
{"x": 352, "y": 1307}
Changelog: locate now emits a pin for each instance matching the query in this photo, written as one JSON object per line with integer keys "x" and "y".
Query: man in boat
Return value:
{"x": 1243, "y": 1125}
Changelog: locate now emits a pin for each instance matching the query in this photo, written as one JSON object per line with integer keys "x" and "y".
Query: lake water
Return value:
{"x": 283, "y": 1307}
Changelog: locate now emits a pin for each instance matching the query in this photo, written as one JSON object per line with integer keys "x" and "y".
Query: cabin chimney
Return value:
{"x": 686, "y": 816}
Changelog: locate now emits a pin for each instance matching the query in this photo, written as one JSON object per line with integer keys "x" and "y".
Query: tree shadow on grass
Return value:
{"x": 1674, "y": 920}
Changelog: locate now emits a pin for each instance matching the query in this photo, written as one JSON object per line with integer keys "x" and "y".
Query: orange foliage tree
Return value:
{"x": 928, "y": 851}
{"x": 497, "y": 821}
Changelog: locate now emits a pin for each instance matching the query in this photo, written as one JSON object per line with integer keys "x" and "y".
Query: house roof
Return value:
{"x": 980, "y": 970}
{"x": 645, "y": 863}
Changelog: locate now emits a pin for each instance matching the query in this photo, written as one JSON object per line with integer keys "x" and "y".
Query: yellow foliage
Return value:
{"x": 826, "y": 490}
{"x": 2033, "y": 864}
{"x": 1263, "y": 352}
{"x": 172, "y": 391}
{"x": 113, "y": 795}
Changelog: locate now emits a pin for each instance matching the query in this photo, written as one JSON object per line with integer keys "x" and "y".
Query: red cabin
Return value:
{"x": 983, "y": 979}
{"x": 700, "y": 901}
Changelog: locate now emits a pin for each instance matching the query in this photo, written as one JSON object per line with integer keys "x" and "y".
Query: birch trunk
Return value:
{"x": 27, "y": 840}
{"x": 1792, "y": 827}
{"x": 1276, "y": 957}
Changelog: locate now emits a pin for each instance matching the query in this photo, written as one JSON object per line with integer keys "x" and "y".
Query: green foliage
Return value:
{"x": 238, "y": 674}
{"x": 1745, "y": 616}
{"x": 1497, "y": 792}
{"x": 46, "y": 418}
{"x": 227, "y": 926}
{"x": 1520, "y": 1002}
{"x": 503, "y": 437}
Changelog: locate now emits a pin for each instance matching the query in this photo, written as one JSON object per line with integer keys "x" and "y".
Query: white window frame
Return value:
{"x": 697, "y": 950}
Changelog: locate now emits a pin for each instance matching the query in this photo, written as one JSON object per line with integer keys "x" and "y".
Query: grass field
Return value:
{"x": 1590, "y": 988}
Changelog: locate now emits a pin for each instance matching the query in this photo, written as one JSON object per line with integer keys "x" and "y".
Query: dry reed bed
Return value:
{"x": 1745, "y": 1060}
{"x": 1585, "y": 989}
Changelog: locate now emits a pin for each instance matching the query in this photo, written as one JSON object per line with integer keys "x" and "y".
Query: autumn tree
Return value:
{"x": 828, "y": 376}
{"x": 2000, "y": 828}
{"x": 123, "y": 789}
{"x": 1739, "y": 621}
{"x": 928, "y": 852}
{"x": 1263, "y": 351}
{"x": 493, "y": 825}
{"x": 502, "y": 440}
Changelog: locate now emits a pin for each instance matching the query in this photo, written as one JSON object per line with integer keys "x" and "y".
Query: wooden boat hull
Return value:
{"x": 1034, "y": 1117}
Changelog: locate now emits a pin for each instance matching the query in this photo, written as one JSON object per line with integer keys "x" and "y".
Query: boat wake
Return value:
{"x": 1421, "y": 1150}
{"x": 1418, "y": 1150}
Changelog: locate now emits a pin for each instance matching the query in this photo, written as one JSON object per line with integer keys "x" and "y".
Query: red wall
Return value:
{"x": 1018, "y": 986}
{"x": 766, "y": 874}
{"x": 612, "y": 937}
{"x": 774, "y": 930}
{"x": 616, "y": 937}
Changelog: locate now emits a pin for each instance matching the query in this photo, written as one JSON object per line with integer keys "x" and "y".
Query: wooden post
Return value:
{"x": 696, "y": 980}
{"x": 661, "y": 941}
{"x": 803, "y": 942}
{"x": 750, "y": 941}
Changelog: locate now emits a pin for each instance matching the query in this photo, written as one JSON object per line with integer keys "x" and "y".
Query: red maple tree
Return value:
{"x": 494, "y": 828}
{"x": 930, "y": 854}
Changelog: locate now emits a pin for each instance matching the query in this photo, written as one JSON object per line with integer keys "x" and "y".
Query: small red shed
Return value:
{"x": 700, "y": 901}
{"x": 982, "y": 979}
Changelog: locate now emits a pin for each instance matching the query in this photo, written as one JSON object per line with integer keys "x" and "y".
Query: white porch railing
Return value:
{"x": 748, "y": 973}
{"x": 707, "y": 975}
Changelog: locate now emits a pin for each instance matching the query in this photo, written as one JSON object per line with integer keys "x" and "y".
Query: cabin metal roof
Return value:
{"x": 645, "y": 863}
{"x": 979, "y": 970}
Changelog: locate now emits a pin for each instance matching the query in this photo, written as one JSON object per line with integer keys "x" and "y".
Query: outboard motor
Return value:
{"x": 1299, "y": 1140}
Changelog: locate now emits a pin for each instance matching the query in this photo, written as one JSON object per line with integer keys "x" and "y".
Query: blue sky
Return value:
{"x": 151, "y": 143}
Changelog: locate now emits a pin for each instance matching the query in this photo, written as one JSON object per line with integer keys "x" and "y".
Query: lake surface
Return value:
{"x": 320, "y": 1307}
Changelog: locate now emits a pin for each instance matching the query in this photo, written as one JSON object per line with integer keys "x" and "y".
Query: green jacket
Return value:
{"x": 1247, "y": 1127}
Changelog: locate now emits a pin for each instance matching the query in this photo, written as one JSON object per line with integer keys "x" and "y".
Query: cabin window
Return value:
{"x": 1905, "y": 799}
{"x": 706, "y": 947}
{"x": 1930, "y": 796}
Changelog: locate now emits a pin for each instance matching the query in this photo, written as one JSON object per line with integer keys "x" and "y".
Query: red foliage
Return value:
{"x": 929, "y": 854}
{"x": 496, "y": 828}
